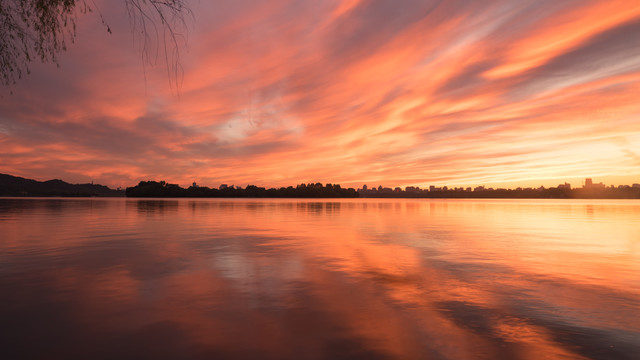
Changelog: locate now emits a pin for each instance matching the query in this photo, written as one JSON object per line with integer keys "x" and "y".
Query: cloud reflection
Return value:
{"x": 281, "y": 278}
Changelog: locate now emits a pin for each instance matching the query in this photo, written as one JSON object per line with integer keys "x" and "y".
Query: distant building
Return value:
{"x": 565, "y": 186}
{"x": 588, "y": 184}
{"x": 636, "y": 186}
{"x": 195, "y": 185}
{"x": 364, "y": 187}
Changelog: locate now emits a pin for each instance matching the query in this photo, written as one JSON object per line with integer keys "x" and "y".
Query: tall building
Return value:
{"x": 588, "y": 184}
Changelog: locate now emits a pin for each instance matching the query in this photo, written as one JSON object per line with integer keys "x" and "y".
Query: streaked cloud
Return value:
{"x": 379, "y": 92}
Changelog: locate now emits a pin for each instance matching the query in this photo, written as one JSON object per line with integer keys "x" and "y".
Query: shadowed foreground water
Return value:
{"x": 308, "y": 279}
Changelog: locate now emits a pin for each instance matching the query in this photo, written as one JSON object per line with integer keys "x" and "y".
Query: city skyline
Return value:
{"x": 587, "y": 184}
{"x": 500, "y": 93}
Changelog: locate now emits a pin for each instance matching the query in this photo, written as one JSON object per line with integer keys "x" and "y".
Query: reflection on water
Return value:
{"x": 309, "y": 279}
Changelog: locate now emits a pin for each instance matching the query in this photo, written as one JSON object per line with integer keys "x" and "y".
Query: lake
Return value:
{"x": 319, "y": 279}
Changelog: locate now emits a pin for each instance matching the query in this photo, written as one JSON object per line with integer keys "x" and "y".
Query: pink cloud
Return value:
{"x": 281, "y": 93}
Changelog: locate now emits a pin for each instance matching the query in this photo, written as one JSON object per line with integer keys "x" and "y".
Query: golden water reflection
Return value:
{"x": 309, "y": 279}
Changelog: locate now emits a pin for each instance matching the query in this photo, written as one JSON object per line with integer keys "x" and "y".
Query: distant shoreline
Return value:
{"x": 162, "y": 189}
{"x": 17, "y": 187}
{"x": 305, "y": 198}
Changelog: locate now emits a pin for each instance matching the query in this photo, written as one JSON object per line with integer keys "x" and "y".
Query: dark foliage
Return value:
{"x": 163, "y": 189}
{"x": 40, "y": 29}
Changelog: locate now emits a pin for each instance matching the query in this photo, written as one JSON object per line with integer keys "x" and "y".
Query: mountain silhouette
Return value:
{"x": 18, "y": 186}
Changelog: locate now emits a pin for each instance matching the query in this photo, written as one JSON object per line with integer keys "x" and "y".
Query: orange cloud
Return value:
{"x": 348, "y": 92}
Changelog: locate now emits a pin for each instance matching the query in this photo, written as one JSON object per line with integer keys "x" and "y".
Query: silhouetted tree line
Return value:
{"x": 163, "y": 189}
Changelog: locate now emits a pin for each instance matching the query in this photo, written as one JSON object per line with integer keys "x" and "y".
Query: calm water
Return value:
{"x": 308, "y": 279}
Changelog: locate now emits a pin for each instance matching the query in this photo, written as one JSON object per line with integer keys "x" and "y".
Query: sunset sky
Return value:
{"x": 394, "y": 93}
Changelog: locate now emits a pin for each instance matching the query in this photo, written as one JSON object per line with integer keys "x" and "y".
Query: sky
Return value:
{"x": 393, "y": 93}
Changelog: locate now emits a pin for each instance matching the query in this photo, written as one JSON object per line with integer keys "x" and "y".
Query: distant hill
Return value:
{"x": 18, "y": 186}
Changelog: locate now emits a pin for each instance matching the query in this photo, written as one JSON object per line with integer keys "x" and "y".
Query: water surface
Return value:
{"x": 328, "y": 279}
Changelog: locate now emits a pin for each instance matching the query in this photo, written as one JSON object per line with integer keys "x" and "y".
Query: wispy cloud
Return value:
{"x": 277, "y": 93}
